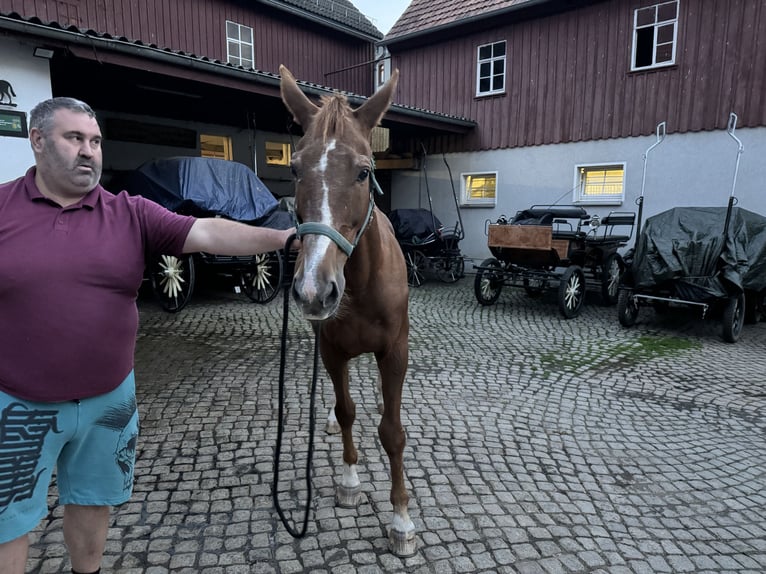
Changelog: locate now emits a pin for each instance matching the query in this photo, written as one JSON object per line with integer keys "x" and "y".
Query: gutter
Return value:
{"x": 86, "y": 45}
{"x": 406, "y": 37}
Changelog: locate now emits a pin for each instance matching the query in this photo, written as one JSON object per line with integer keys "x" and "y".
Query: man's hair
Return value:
{"x": 41, "y": 116}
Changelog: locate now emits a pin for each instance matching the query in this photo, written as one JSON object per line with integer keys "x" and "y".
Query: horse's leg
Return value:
{"x": 393, "y": 367}
{"x": 332, "y": 426}
{"x": 349, "y": 492}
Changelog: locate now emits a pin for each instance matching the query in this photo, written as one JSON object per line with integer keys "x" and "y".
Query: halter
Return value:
{"x": 318, "y": 228}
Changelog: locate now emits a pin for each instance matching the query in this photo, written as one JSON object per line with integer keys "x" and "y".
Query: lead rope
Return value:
{"x": 280, "y": 422}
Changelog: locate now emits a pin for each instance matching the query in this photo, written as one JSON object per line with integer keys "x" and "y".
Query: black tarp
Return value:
{"x": 414, "y": 225}
{"x": 207, "y": 187}
{"x": 684, "y": 249}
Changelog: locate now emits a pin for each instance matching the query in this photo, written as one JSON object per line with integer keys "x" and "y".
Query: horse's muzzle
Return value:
{"x": 317, "y": 300}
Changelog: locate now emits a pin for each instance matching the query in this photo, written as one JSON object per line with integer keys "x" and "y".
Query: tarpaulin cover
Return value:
{"x": 684, "y": 248}
{"x": 414, "y": 225}
{"x": 204, "y": 187}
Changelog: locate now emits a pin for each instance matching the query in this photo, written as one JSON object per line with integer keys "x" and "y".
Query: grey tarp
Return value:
{"x": 684, "y": 249}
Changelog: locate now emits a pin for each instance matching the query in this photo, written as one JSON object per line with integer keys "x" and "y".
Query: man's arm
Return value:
{"x": 225, "y": 237}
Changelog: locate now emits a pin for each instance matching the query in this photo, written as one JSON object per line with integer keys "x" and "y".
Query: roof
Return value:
{"x": 88, "y": 43}
{"x": 340, "y": 11}
{"x": 423, "y": 16}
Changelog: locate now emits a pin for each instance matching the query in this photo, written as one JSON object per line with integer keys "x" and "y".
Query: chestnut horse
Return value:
{"x": 350, "y": 278}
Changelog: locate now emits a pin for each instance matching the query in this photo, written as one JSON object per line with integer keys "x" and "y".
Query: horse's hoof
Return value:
{"x": 332, "y": 427}
{"x": 402, "y": 544}
{"x": 348, "y": 496}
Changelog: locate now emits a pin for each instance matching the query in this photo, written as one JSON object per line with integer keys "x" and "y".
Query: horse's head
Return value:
{"x": 332, "y": 166}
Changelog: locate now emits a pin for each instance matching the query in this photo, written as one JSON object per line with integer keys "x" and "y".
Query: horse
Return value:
{"x": 350, "y": 278}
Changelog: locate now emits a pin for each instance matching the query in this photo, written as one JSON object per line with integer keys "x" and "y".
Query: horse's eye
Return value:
{"x": 364, "y": 174}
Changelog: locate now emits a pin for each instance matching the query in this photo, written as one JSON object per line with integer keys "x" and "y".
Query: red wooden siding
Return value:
{"x": 569, "y": 75}
{"x": 315, "y": 54}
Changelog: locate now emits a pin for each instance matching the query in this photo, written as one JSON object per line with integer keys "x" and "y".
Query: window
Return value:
{"x": 654, "y": 36}
{"x": 600, "y": 183}
{"x": 479, "y": 189}
{"x": 239, "y": 45}
{"x": 490, "y": 69}
{"x": 277, "y": 153}
{"x": 215, "y": 146}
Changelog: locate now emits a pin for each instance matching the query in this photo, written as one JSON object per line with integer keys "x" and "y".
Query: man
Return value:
{"x": 71, "y": 262}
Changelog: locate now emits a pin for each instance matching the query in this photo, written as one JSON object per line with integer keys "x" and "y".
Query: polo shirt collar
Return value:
{"x": 89, "y": 201}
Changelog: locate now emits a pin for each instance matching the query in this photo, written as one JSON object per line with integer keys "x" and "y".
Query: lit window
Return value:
{"x": 277, "y": 153}
{"x": 479, "y": 188}
{"x": 215, "y": 146}
{"x": 600, "y": 183}
{"x": 240, "y": 50}
{"x": 654, "y": 35}
{"x": 490, "y": 69}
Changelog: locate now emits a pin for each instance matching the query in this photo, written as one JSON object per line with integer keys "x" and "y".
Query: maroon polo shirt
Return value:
{"x": 69, "y": 279}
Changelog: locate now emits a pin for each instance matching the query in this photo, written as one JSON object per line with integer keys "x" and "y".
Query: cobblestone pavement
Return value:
{"x": 535, "y": 445}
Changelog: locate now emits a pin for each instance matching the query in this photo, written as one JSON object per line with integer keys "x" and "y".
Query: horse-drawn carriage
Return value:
{"x": 558, "y": 246}
{"x": 429, "y": 248}
{"x": 205, "y": 187}
{"x": 699, "y": 257}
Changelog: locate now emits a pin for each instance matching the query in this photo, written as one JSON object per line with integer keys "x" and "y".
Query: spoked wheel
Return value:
{"x": 488, "y": 282}
{"x": 451, "y": 268}
{"x": 172, "y": 281}
{"x": 261, "y": 280}
{"x": 417, "y": 264}
{"x": 534, "y": 286}
{"x": 733, "y": 318}
{"x": 627, "y": 308}
{"x": 572, "y": 291}
{"x": 611, "y": 271}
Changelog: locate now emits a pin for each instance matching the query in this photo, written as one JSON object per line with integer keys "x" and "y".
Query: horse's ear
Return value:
{"x": 371, "y": 112}
{"x": 295, "y": 100}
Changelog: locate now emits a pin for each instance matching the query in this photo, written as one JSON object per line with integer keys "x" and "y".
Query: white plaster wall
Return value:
{"x": 30, "y": 78}
{"x": 693, "y": 169}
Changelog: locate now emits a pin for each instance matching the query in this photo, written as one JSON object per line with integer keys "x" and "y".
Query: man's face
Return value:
{"x": 69, "y": 157}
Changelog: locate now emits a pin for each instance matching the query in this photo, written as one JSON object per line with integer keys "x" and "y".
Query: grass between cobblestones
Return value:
{"x": 625, "y": 353}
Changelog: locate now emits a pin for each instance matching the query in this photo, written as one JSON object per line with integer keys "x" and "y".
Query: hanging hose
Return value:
{"x": 280, "y": 422}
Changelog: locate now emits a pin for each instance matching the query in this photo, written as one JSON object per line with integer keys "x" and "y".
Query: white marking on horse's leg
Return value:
{"x": 332, "y": 422}
{"x": 401, "y": 535}
{"x": 348, "y": 494}
{"x": 379, "y": 400}
{"x": 350, "y": 478}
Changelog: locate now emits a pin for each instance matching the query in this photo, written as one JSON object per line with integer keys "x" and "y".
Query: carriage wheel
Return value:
{"x": 611, "y": 272}
{"x": 534, "y": 286}
{"x": 572, "y": 291}
{"x": 417, "y": 264}
{"x": 261, "y": 280}
{"x": 451, "y": 268}
{"x": 488, "y": 282}
{"x": 627, "y": 308}
{"x": 733, "y": 318}
{"x": 172, "y": 281}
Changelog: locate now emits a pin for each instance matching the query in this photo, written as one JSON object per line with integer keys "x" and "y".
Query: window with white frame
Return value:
{"x": 240, "y": 50}
{"x": 490, "y": 69}
{"x": 479, "y": 189}
{"x": 655, "y": 30}
{"x": 602, "y": 183}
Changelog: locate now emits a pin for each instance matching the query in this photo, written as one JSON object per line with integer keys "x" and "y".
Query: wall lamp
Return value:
{"x": 45, "y": 53}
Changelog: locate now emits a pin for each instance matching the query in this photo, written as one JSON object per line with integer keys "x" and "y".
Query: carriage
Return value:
{"x": 429, "y": 248}
{"x": 705, "y": 258}
{"x": 555, "y": 246}
{"x": 207, "y": 187}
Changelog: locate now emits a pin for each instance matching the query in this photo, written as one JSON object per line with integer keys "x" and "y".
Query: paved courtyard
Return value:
{"x": 535, "y": 445}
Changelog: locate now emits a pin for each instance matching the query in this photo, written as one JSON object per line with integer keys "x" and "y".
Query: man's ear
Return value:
{"x": 36, "y": 139}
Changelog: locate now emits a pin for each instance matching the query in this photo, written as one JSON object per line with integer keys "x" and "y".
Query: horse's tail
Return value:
{"x": 10, "y": 88}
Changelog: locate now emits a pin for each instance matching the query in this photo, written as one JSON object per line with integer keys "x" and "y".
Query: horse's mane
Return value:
{"x": 331, "y": 120}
